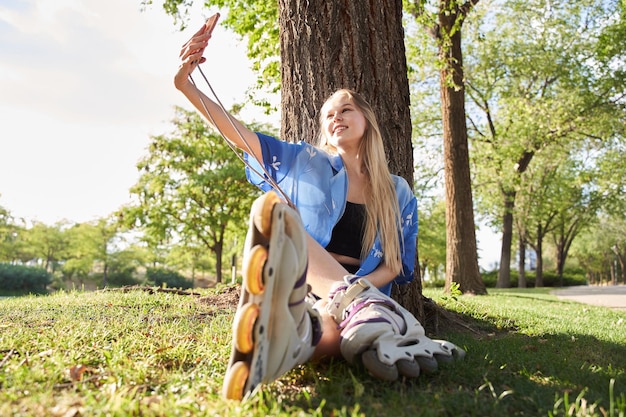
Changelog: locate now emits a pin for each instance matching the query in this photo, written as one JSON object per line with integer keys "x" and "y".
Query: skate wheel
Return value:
{"x": 444, "y": 358}
{"x": 253, "y": 276}
{"x": 244, "y": 327}
{"x": 235, "y": 381}
{"x": 408, "y": 368}
{"x": 428, "y": 365}
{"x": 263, "y": 220}
{"x": 377, "y": 368}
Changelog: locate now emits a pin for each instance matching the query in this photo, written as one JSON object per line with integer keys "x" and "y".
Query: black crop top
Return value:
{"x": 347, "y": 236}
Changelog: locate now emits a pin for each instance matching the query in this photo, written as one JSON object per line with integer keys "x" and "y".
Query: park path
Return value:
{"x": 611, "y": 296}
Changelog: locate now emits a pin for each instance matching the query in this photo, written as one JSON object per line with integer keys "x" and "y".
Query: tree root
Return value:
{"x": 152, "y": 290}
{"x": 437, "y": 318}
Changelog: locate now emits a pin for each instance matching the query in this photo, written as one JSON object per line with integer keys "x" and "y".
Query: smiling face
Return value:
{"x": 343, "y": 123}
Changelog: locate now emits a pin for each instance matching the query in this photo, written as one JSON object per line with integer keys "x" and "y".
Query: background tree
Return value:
{"x": 535, "y": 213}
{"x": 579, "y": 205}
{"x": 125, "y": 264}
{"x": 432, "y": 241}
{"x": 445, "y": 26}
{"x": 9, "y": 233}
{"x": 534, "y": 84}
{"x": 46, "y": 244}
{"x": 81, "y": 253}
{"x": 601, "y": 250}
{"x": 104, "y": 240}
{"x": 192, "y": 186}
{"x": 190, "y": 258}
{"x": 91, "y": 248}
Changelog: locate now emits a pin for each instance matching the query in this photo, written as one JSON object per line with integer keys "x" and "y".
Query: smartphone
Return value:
{"x": 211, "y": 22}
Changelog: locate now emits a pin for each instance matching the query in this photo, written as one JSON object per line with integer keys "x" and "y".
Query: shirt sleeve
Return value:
{"x": 276, "y": 156}
{"x": 313, "y": 180}
{"x": 408, "y": 239}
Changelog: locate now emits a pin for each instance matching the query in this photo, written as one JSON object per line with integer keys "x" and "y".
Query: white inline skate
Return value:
{"x": 385, "y": 336}
{"x": 274, "y": 328}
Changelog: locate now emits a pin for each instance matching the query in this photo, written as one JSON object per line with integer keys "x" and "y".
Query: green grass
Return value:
{"x": 162, "y": 354}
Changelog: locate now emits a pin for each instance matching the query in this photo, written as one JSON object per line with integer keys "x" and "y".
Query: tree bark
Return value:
{"x": 461, "y": 251}
{"x": 539, "y": 250}
{"x": 218, "y": 249}
{"x": 521, "y": 279}
{"x": 325, "y": 46}
{"x": 504, "y": 273}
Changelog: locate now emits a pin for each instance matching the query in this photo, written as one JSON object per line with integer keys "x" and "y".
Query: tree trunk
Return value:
{"x": 105, "y": 271}
{"x": 614, "y": 272}
{"x": 461, "y": 252}
{"x": 325, "y": 46}
{"x": 504, "y": 273}
{"x": 521, "y": 279}
{"x": 620, "y": 258}
{"x": 330, "y": 45}
{"x": 410, "y": 296}
{"x": 218, "y": 249}
{"x": 560, "y": 260}
{"x": 539, "y": 250}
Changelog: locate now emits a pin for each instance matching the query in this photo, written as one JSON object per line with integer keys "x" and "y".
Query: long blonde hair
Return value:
{"x": 382, "y": 209}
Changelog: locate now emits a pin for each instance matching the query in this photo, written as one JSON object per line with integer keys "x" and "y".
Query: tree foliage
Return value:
{"x": 432, "y": 241}
{"x": 192, "y": 187}
{"x": 8, "y": 236}
{"x": 535, "y": 86}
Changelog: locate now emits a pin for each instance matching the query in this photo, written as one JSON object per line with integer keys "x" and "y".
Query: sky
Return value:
{"x": 84, "y": 84}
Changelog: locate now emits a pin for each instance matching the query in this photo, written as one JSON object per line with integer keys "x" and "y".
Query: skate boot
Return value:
{"x": 274, "y": 328}
{"x": 388, "y": 339}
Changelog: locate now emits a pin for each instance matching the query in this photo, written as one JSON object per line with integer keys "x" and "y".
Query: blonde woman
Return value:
{"x": 353, "y": 235}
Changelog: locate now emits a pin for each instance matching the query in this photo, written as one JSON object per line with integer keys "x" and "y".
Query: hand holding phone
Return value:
{"x": 208, "y": 27}
{"x": 211, "y": 22}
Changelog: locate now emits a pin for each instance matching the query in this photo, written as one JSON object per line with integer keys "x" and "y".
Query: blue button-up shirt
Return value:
{"x": 317, "y": 183}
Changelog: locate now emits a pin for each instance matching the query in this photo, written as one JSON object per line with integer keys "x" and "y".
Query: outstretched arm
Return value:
{"x": 190, "y": 56}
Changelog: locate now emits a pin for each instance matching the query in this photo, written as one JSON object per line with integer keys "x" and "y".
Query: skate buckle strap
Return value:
{"x": 342, "y": 298}
{"x": 356, "y": 288}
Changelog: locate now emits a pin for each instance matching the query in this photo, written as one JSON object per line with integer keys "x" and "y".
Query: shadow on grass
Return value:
{"x": 504, "y": 373}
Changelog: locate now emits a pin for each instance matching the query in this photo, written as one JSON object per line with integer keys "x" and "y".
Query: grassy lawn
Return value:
{"x": 138, "y": 353}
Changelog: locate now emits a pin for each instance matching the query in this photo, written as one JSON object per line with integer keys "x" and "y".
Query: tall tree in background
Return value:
{"x": 461, "y": 251}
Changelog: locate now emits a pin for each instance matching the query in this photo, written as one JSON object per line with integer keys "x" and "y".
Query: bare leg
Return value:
{"x": 329, "y": 345}
{"x": 323, "y": 271}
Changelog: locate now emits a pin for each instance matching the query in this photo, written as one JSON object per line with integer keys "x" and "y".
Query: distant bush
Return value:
{"x": 27, "y": 279}
{"x": 115, "y": 279}
{"x": 571, "y": 277}
{"x": 550, "y": 278}
{"x": 121, "y": 279}
{"x": 171, "y": 279}
{"x": 434, "y": 283}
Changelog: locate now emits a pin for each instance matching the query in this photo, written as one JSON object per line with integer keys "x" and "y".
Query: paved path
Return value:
{"x": 613, "y": 296}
